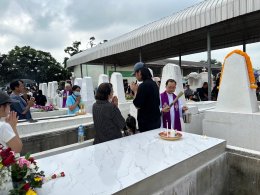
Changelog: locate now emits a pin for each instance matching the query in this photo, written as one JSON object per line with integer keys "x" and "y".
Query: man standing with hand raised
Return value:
{"x": 20, "y": 106}
{"x": 147, "y": 100}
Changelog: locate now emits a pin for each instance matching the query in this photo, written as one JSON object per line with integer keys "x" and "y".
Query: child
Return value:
{"x": 130, "y": 128}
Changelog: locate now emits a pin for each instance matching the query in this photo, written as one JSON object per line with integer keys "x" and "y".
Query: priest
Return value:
{"x": 171, "y": 113}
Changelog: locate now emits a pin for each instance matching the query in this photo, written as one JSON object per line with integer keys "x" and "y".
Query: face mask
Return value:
{"x": 76, "y": 93}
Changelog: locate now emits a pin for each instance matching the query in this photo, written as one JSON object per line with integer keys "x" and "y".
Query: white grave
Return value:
{"x": 103, "y": 78}
{"x": 118, "y": 86}
{"x": 54, "y": 89}
{"x": 172, "y": 71}
{"x": 40, "y": 86}
{"x": 151, "y": 71}
{"x": 235, "y": 95}
{"x": 58, "y": 100}
{"x": 236, "y": 117}
{"x": 204, "y": 78}
{"x": 78, "y": 81}
{"x": 49, "y": 89}
{"x": 87, "y": 93}
{"x": 45, "y": 89}
{"x": 196, "y": 80}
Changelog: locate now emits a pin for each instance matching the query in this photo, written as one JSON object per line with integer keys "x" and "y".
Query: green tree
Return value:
{"x": 74, "y": 49}
{"x": 28, "y": 63}
{"x": 213, "y": 62}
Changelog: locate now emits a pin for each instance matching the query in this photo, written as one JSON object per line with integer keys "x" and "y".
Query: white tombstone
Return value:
{"x": 54, "y": 89}
{"x": 78, "y": 81}
{"x": 236, "y": 116}
{"x": 194, "y": 80}
{"x": 235, "y": 94}
{"x": 151, "y": 71}
{"x": 87, "y": 93}
{"x": 103, "y": 78}
{"x": 118, "y": 86}
{"x": 172, "y": 71}
{"x": 49, "y": 89}
{"x": 40, "y": 86}
{"x": 204, "y": 78}
{"x": 45, "y": 89}
{"x": 58, "y": 101}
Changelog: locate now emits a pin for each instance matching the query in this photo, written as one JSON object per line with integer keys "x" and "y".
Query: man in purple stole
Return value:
{"x": 66, "y": 93}
{"x": 171, "y": 115}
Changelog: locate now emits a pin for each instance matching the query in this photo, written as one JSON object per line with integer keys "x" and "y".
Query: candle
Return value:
{"x": 167, "y": 127}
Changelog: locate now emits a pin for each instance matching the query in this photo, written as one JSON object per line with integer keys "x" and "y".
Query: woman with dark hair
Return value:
{"x": 108, "y": 120}
{"x": 73, "y": 101}
{"x": 8, "y": 133}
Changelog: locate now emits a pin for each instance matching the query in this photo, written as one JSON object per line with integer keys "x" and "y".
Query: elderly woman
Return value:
{"x": 108, "y": 120}
{"x": 8, "y": 132}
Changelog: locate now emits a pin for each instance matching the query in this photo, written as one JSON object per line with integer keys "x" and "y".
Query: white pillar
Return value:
{"x": 45, "y": 89}
{"x": 235, "y": 94}
{"x": 78, "y": 81}
{"x": 40, "y": 86}
{"x": 87, "y": 93}
{"x": 172, "y": 71}
{"x": 103, "y": 78}
{"x": 118, "y": 86}
{"x": 49, "y": 89}
{"x": 54, "y": 89}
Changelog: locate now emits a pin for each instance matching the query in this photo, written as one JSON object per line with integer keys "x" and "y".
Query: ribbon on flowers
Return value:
{"x": 54, "y": 176}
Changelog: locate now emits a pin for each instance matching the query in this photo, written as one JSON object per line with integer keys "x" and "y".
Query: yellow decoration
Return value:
{"x": 249, "y": 67}
{"x": 1, "y": 165}
{"x": 31, "y": 192}
{"x": 37, "y": 179}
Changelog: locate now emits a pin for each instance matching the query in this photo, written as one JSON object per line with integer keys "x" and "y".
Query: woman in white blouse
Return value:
{"x": 8, "y": 132}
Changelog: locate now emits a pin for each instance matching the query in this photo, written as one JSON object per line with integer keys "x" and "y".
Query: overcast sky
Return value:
{"x": 52, "y": 25}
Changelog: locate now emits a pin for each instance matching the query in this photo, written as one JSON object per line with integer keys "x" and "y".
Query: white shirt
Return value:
{"x": 170, "y": 98}
{"x": 6, "y": 133}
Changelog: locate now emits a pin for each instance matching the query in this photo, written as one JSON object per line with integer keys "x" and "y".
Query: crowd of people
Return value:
{"x": 154, "y": 109}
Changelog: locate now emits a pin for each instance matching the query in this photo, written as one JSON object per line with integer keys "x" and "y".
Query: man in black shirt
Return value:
{"x": 147, "y": 99}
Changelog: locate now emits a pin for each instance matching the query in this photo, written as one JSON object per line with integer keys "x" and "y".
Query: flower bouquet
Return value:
{"x": 23, "y": 171}
{"x": 44, "y": 108}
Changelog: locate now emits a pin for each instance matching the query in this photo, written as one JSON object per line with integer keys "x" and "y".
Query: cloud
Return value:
{"x": 51, "y": 25}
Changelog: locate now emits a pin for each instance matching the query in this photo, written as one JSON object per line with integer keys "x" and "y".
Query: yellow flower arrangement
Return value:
{"x": 249, "y": 67}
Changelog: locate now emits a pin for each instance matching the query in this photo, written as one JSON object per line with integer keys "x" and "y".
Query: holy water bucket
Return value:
{"x": 186, "y": 117}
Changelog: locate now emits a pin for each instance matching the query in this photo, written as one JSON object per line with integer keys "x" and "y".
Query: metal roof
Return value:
{"x": 230, "y": 22}
{"x": 184, "y": 64}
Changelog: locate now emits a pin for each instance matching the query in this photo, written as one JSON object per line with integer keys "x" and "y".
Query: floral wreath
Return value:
{"x": 249, "y": 67}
